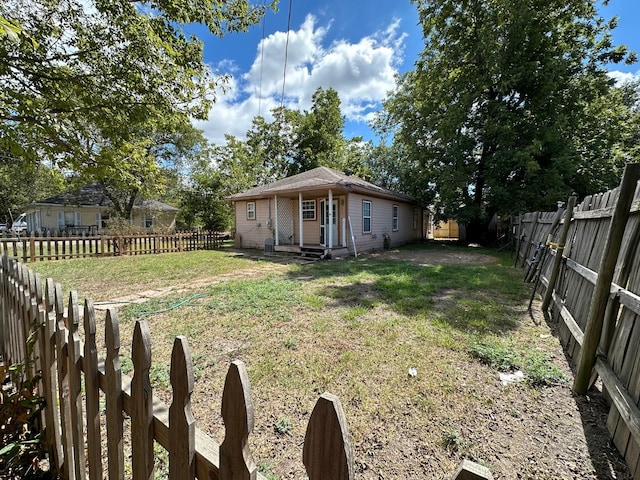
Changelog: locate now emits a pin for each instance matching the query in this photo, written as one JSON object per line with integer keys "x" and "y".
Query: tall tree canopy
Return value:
{"x": 107, "y": 89}
{"x": 493, "y": 116}
{"x": 320, "y": 138}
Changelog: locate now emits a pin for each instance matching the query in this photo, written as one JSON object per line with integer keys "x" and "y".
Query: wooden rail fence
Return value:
{"x": 34, "y": 248}
{"x": 591, "y": 278}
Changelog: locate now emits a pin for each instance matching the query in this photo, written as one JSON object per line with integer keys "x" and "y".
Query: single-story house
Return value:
{"x": 88, "y": 209}
{"x": 325, "y": 209}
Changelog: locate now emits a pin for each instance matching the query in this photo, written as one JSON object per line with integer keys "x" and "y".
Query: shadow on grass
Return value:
{"x": 478, "y": 299}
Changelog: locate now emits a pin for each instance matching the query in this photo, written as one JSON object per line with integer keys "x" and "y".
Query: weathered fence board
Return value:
{"x": 38, "y": 248}
{"x": 596, "y": 300}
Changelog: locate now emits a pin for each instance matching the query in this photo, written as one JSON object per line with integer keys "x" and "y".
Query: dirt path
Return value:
{"x": 258, "y": 270}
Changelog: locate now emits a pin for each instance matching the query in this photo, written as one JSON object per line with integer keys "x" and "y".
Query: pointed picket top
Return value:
{"x": 92, "y": 393}
{"x": 142, "y": 418}
{"x": 73, "y": 317}
{"x": 327, "y": 451}
{"x": 35, "y": 286}
{"x": 59, "y": 304}
{"x": 236, "y": 461}
{"x": 112, "y": 337}
{"x": 182, "y": 442}
{"x": 49, "y": 294}
{"x": 113, "y": 397}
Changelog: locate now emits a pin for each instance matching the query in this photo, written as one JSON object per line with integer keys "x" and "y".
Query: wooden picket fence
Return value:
{"x": 589, "y": 276}
{"x": 74, "y": 374}
{"x": 60, "y": 247}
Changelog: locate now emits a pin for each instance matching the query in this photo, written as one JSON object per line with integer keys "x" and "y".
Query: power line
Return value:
{"x": 264, "y": 3}
{"x": 286, "y": 54}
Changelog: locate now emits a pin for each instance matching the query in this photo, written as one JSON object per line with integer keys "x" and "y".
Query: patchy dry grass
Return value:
{"x": 354, "y": 327}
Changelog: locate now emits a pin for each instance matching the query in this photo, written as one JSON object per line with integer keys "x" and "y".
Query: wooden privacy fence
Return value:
{"x": 33, "y": 248}
{"x": 74, "y": 375}
{"x": 590, "y": 282}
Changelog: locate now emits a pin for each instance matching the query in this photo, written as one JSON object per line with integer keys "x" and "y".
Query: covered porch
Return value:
{"x": 313, "y": 222}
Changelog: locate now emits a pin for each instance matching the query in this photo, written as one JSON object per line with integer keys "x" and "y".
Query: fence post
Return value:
{"x": 327, "y": 451}
{"x": 49, "y": 374}
{"x": 113, "y": 396}
{"x": 62, "y": 353}
{"x": 92, "y": 393}
{"x": 600, "y": 296}
{"x": 142, "y": 399}
{"x": 559, "y": 252}
{"x": 75, "y": 387}
{"x": 182, "y": 425}
{"x": 236, "y": 462}
{"x": 32, "y": 247}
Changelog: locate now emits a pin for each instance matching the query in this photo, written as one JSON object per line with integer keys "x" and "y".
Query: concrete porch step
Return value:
{"x": 319, "y": 253}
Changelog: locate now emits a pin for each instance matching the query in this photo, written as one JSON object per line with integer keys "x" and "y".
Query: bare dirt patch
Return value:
{"x": 436, "y": 257}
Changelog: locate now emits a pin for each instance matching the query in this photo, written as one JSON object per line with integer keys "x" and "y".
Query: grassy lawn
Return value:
{"x": 352, "y": 327}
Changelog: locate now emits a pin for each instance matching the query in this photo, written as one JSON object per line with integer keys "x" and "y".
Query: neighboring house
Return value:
{"x": 87, "y": 211}
{"x": 326, "y": 209}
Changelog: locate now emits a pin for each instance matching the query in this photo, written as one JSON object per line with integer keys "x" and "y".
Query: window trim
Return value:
{"x": 307, "y": 210}
{"x": 147, "y": 218}
{"x": 251, "y": 210}
{"x": 395, "y": 223}
{"x": 364, "y": 217}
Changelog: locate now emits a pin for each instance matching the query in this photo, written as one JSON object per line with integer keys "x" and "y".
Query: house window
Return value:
{"x": 308, "y": 209}
{"x": 147, "y": 221}
{"x": 68, "y": 219}
{"x": 415, "y": 218}
{"x": 395, "y": 218}
{"x": 251, "y": 210}
{"x": 366, "y": 216}
{"x": 104, "y": 220}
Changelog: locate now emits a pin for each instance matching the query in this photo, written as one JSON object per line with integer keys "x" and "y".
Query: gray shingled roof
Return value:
{"x": 319, "y": 178}
{"x": 93, "y": 196}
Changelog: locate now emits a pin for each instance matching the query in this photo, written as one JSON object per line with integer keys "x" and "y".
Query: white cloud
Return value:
{"x": 362, "y": 73}
{"x": 623, "y": 77}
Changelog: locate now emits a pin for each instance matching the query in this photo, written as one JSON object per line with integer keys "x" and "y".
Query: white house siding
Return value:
{"x": 253, "y": 233}
{"x": 381, "y": 223}
{"x": 49, "y": 216}
{"x": 52, "y": 218}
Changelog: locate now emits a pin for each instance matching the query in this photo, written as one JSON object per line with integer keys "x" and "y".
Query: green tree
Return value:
{"x": 274, "y": 144}
{"x": 99, "y": 83}
{"x": 487, "y": 119}
{"x": 203, "y": 200}
{"x": 22, "y": 183}
{"x": 320, "y": 140}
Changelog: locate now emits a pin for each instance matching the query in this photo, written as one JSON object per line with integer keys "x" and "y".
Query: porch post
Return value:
{"x": 275, "y": 223}
{"x": 300, "y": 218}
{"x": 330, "y": 226}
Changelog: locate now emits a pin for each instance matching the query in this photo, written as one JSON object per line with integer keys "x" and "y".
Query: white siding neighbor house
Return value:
{"x": 86, "y": 211}
{"x": 326, "y": 209}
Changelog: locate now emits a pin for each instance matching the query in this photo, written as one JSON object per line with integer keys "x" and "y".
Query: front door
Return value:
{"x": 324, "y": 223}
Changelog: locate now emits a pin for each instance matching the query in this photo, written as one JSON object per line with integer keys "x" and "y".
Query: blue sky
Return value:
{"x": 353, "y": 46}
